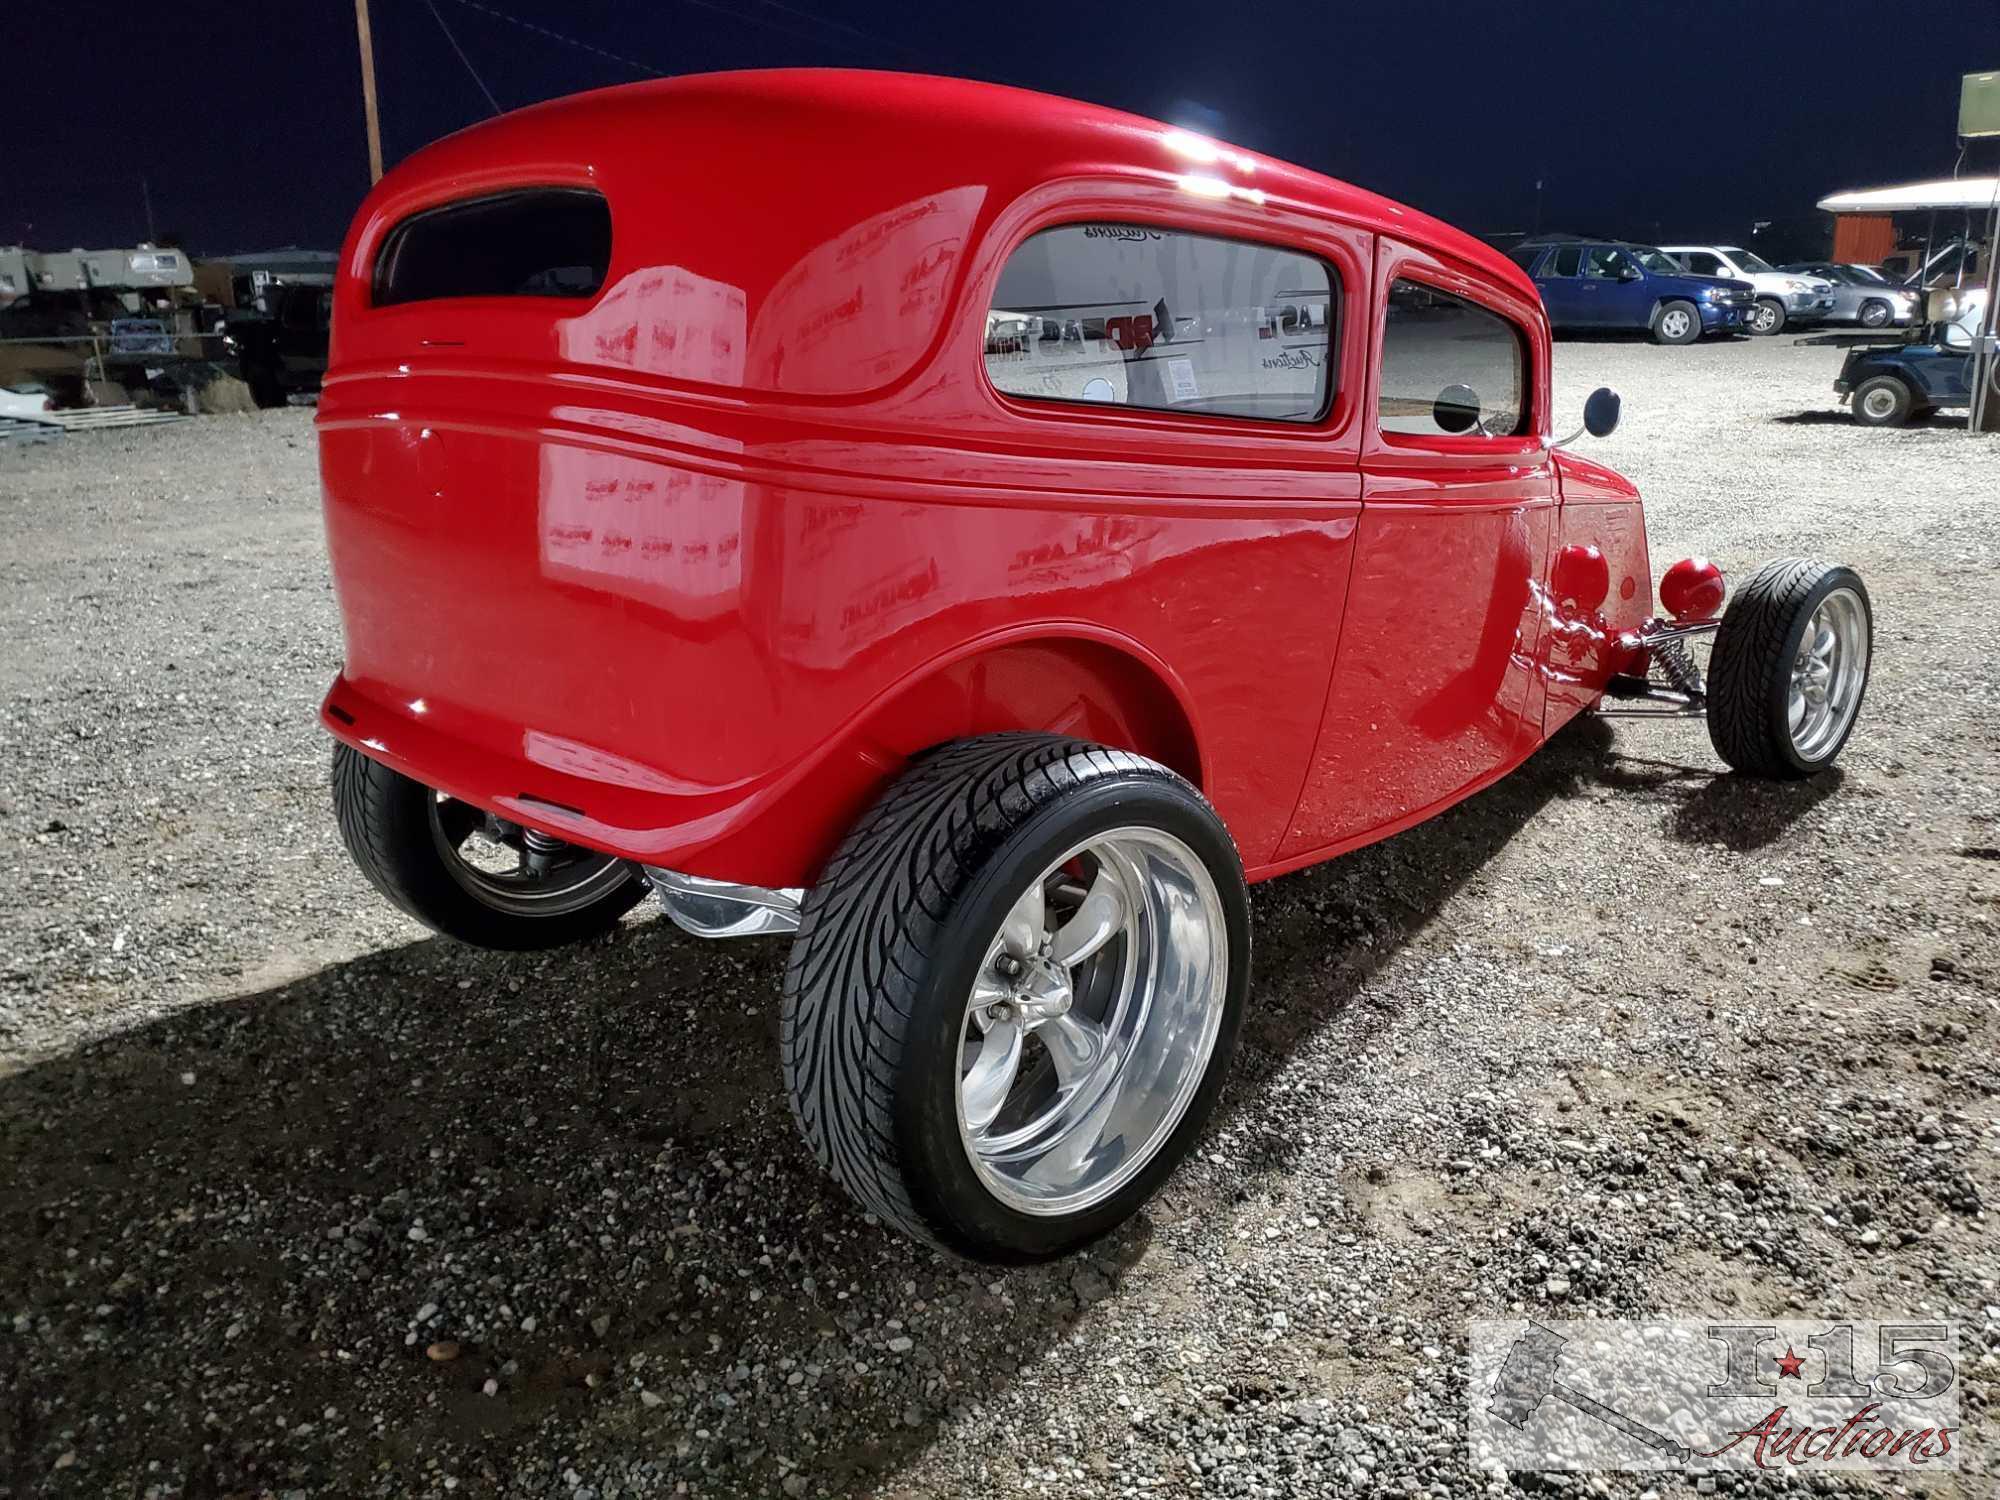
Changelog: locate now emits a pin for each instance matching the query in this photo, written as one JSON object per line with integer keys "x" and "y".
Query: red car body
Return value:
{"x": 687, "y": 570}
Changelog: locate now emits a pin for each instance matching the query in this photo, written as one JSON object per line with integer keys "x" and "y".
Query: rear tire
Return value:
{"x": 1790, "y": 668}
{"x": 1677, "y": 323}
{"x": 1883, "y": 401}
{"x": 391, "y": 826}
{"x": 947, "y": 917}
{"x": 1767, "y": 317}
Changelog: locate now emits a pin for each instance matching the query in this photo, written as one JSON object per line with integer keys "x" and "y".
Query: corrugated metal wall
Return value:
{"x": 1863, "y": 239}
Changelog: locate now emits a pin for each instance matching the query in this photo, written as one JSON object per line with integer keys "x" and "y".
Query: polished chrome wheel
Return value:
{"x": 519, "y": 870}
{"x": 1828, "y": 674}
{"x": 1091, "y": 1022}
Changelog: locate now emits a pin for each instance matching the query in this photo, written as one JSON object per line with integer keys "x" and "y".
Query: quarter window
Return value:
{"x": 1131, "y": 315}
{"x": 1449, "y": 367}
{"x": 538, "y": 242}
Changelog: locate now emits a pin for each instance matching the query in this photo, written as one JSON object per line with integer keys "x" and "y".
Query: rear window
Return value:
{"x": 536, "y": 242}
{"x": 1134, "y": 315}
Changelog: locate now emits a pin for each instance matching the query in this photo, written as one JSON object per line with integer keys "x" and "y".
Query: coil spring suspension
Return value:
{"x": 541, "y": 850}
{"x": 1680, "y": 668}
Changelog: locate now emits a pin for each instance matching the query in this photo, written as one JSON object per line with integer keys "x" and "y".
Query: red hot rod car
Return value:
{"x": 978, "y": 533}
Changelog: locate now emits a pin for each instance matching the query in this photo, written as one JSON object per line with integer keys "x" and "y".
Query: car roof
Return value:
{"x": 988, "y": 137}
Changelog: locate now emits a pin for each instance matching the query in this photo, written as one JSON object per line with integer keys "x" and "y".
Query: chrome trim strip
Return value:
{"x": 722, "y": 908}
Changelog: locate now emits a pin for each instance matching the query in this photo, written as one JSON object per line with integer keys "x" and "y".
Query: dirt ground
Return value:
{"x": 1621, "y": 1034}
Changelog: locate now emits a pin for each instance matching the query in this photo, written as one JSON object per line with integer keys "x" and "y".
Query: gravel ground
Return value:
{"x": 297, "y": 1199}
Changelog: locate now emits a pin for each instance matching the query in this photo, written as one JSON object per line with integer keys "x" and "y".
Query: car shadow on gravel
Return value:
{"x": 1706, "y": 806}
{"x": 234, "y": 1235}
{"x": 1322, "y": 934}
{"x": 1941, "y": 421}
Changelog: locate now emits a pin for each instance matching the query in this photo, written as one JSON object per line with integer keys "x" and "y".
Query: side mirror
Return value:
{"x": 1628, "y": 273}
{"x": 1456, "y": 409}
{"x": 1600, "y": 416}
{"x": 1600, "y": 412}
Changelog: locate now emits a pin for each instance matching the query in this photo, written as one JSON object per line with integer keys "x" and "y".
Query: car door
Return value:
{"x": 1435, "y": 688}
{"x": 1558, "y": 285}
{"x": 1616, "y": 300}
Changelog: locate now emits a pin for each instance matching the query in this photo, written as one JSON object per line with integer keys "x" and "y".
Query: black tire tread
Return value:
{"x": 870, "y": 932}
{"x": 1748, "y": 657}
{"x": 384, "y": 824}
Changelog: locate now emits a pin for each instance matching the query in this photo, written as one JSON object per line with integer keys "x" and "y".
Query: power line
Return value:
{"x": 439, "y": 17}
{"x": 854, "y": 31}
{"x": 770, "y": 25}
{"x": 568, "y": 41}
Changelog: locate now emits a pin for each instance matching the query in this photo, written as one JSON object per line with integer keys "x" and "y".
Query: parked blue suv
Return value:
{"x": 1611, "y": 284}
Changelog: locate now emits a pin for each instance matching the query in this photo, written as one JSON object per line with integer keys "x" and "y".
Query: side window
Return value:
{"x": 531, "y": 242}
{"x": 1450, "y": 367}
{"x": 1130, "y": 315}
{"x": 1603, "y": 260}
{"x": 1702, "y": 263}
{"x": 1525, "y": 257}
{"x": 1566, "y": 259}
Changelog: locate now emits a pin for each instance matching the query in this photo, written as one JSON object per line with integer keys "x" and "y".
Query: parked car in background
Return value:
{"x": 1861, "y": 294}
{"x": 1781, "y": 298}
{"x": 943, "y": 564}
{"x": 1891, "y": 385}
{"x": 284, "y": 349}
{"x": 1613, "y": 284}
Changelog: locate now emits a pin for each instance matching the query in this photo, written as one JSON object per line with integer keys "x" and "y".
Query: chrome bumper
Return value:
{"x": 721, "y": 908}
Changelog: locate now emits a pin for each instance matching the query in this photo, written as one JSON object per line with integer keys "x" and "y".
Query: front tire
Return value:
{"x": 471, "y": 876}
{"x": 1883, "y": 401}
{"x": 1677, "y": 323}
{"x": 1767, "y": 317}
{"x": 1875, "y": 313}
{"x": 1015, "y": 992}
{"x": 1790, "y": 668}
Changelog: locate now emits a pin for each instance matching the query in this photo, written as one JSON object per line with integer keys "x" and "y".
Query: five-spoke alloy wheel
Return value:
{"x": 1015, "y": 991}
{"x": 1092, "y": 1020}
{"x": 1790, "y": 668}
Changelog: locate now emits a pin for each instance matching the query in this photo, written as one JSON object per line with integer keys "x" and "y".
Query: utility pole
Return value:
{"x": 368, "y": 91}
{"x": 146, "y": 194}
{"x": 1985, "y": 416}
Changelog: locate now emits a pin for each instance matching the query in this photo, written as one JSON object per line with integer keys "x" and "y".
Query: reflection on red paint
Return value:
{"x": 708, "y": 556}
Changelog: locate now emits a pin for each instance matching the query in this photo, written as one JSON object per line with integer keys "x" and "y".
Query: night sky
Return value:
{"x": 1672, "y": 122}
